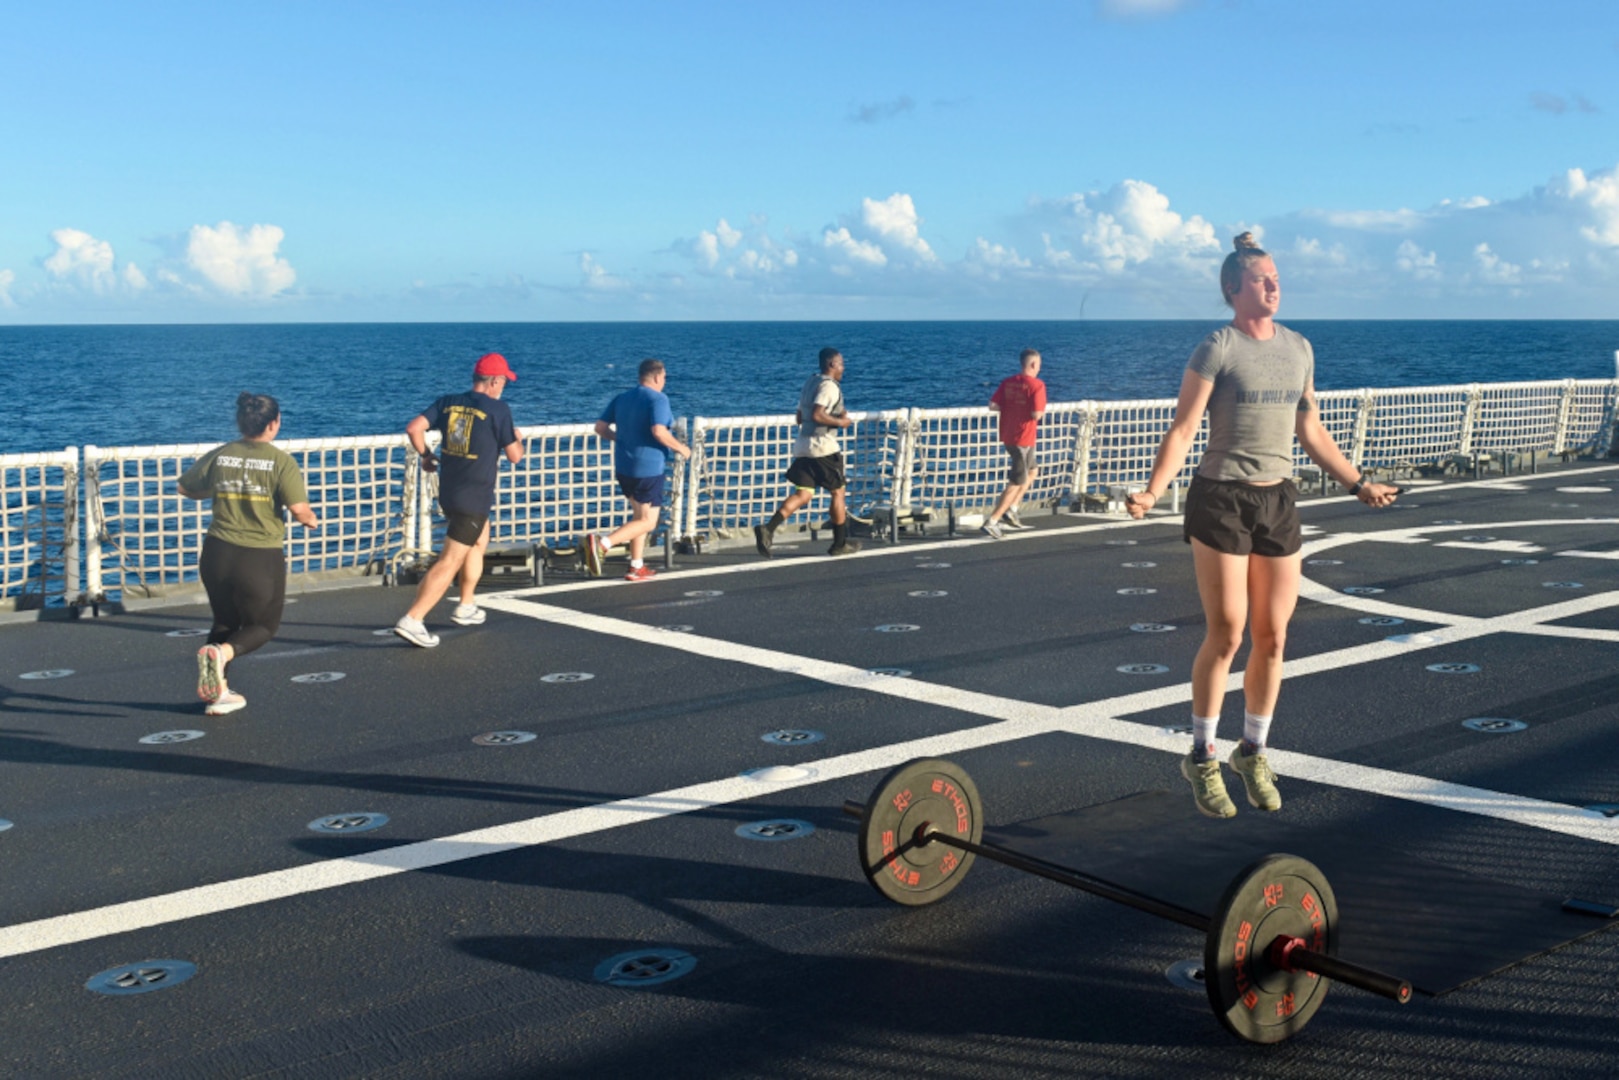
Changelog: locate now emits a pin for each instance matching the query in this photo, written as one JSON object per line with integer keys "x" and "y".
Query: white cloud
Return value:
{"x": 82, "y": 260}
{"x": 995, "y": 256}
{"x": 594, "y": 275}
{"x": 1411, "y": 259}
{"x": 1493, "y": 269}
{"x": 895, "y": 224}
{"x": 1131, "y": 224}
{"x": 840, "y": 241}
{"x": 1139, "y": 9}
{"x": 1312, "y": 250}
{"x": 240, "y": 262}
{"x": 7, "y": 278}
{"x": 728, "y": 236}
{"x": 1594, "y": 200}
{"x": 1370, "y": 220}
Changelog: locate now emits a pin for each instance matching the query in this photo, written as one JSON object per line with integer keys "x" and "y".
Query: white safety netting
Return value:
{"x": 738, "y": 467}
{"x": 145, "y": 538}
{"x": 39, "y": 528}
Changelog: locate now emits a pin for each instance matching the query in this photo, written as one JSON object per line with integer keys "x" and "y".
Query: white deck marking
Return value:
{"x": 1589, "y": 554}
{"x": 1012, "y": 720}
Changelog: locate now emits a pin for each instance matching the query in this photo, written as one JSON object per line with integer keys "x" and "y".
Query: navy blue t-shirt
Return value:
{"x": 632, "y": 413}
{"x": 475, "y": 428}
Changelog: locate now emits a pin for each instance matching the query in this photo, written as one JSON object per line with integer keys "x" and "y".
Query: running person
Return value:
{"x": 476, "y": 427}
{"x": 637, "y": 423}
{"x": 1021, "y": 401}
{"x": 817, "y": 457}
{"x": 242, "y": 565}
{"x": 1256, "y": 379}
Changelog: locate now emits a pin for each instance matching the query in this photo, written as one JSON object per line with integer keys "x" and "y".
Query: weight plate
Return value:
{"x": 925, "y": 790}
{"x": 1280, "y": 895}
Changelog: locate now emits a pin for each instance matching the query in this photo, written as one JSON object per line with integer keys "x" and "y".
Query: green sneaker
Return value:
{"x": 1208, "y": 787}
{"x": 1258, "y": 778}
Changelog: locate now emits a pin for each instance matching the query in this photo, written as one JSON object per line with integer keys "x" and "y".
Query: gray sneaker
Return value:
{"x": 415, "y": 632}
{"x": 991, "y": 527}
{"x": 1258, "y": 778}
{"x": 848, "y": 547}
{"x": 1011, "y": 520}
{"x": 1208, "y": 787}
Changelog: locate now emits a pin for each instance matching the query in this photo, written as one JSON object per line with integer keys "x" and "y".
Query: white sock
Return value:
{"x": 1203, "y": 737}
{"x": 1254, "y": 731}
{"x": 635, "y": 564}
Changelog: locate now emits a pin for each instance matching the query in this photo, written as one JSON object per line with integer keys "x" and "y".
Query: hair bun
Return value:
{"x": 1245, "y": 242}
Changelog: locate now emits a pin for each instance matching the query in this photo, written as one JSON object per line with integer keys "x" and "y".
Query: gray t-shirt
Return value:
{"x": 1257, "y": 387}
{"x": 813, "y": 439}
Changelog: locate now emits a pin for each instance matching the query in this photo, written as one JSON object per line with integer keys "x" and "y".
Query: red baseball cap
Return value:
{"x": 494, "y": 364}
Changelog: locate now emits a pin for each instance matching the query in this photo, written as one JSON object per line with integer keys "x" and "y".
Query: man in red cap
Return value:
{"x": 475, "y": 428}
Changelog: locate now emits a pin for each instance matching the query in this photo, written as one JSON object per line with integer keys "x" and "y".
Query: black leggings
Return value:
{"x": 246, "y": 588}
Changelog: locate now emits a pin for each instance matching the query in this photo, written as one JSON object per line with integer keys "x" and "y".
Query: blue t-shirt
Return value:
{"x": 475, "y": 428}
{"x": 632, "y": 414}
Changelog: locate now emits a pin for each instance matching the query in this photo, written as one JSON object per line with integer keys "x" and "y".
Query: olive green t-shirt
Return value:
{"x": 251, "y": 484}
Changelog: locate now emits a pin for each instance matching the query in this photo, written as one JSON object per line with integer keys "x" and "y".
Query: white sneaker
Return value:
{"x": 227, "y": 702}
{"x": 1011, "y": 521}
{"x": 991, "y": 527}
{"x": 415, "y": 632}
{"x": 468, "y": 615}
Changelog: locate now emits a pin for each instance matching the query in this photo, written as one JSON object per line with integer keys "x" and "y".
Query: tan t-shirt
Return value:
{"x": 251, "y": 483}
{"x": 813, "y": 439}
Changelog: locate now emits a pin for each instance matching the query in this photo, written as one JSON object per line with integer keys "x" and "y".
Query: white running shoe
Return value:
{"x": 468, "y": 615}
{"x": 1011, "y": 521}
{"x": 228, "y": 702}
{"x": 991, "y": 527}
{"x": 415, "y": 632}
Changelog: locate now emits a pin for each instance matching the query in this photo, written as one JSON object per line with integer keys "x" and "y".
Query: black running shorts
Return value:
{"x": 466, "y": 528}
{"x": 1244, "y": 519}
{"x": 825, "y": 473}
{"x": 646, "y": 490}
{"x": 1022, "y": 464}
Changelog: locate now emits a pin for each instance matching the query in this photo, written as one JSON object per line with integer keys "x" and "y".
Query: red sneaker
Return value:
{"x": 641, "y": 573}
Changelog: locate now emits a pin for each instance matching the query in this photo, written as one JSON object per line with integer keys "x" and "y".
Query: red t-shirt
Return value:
{"x": 1019, "y": 398}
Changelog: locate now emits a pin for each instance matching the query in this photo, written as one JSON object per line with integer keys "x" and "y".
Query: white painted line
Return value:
{"x": 1516, "y": 547}
{"x": 1590, "y": 554}
{"x": 1012, "y": 720}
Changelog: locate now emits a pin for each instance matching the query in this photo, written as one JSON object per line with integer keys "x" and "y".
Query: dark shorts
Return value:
{"x": 1242, "y": 519}
{"x": 465, "y": 528}
{"x": 1022, "y": 464}
{"x": 817, "y": 472}
{"x": 646, "y": 490}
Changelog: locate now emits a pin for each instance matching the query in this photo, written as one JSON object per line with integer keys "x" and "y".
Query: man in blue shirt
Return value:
{"x": 476, "y": 428}
{"x": 637, "y": 423}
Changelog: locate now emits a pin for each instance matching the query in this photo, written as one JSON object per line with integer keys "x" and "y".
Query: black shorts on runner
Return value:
{"x": 1244, "y": 519}
{"x": 466, "y": 528}
{"x": 1022, "y": 464}
{"x": 825, "y": 473}
{"x": 646, "y": 490}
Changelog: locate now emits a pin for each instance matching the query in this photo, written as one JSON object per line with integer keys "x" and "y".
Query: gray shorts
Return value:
{"x": 1022, "y": 465}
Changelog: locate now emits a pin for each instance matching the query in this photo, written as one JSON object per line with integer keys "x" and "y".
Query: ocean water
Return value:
{"x": 142, "y": 385}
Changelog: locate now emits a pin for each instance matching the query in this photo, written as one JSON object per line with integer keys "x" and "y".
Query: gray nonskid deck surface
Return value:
{"x": 483, "y": 965}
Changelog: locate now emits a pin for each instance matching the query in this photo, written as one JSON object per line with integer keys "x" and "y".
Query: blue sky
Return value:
{"x": 539, "y": 161}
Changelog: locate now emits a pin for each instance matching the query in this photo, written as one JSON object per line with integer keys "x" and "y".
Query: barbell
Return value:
{"x": 1269, "y": 948}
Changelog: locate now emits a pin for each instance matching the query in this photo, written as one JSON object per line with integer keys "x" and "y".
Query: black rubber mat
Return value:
{"x": 1438, "y": 927}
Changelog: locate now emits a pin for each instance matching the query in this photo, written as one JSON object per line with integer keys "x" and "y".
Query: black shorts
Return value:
{"x": 646, "y": 490}
{"x": 817, "y": 472}
{"x": 1022, "y": 464}
{"x": 465, "y": 528}
{"x": 1244, "y": 519}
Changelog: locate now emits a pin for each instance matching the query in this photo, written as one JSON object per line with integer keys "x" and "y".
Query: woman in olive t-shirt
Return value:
{"x": 242, "y": 565}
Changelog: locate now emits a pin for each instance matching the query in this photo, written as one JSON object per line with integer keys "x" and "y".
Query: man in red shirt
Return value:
{"x": 1021, "y": 401}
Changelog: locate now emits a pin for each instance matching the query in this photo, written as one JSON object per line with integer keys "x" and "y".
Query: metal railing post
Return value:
{"x": 1565, "y": 406}
{"x": 1084, "y": 435}
{"x": 1475, "y": 394}
{"x": 1363, "y": 424}
{"x": 70, "y": 526}
{"x": 95, "y": 526}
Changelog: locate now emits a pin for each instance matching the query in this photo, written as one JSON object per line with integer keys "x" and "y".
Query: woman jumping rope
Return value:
{"x": 1256, "y": 379}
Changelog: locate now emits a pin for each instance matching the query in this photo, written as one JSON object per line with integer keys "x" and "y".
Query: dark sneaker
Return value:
{"x": 210, "y": 672}
{"x": 763, "y": 536}
{"x": 641, "y": 573}
{"x": 848, "y": 547}
{"x": 1258, "y": 778}
{"x": 991, "y": 527}
{"x": 1208, "y": 787}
